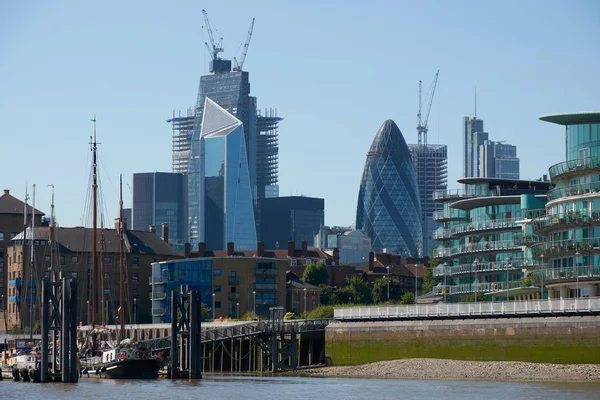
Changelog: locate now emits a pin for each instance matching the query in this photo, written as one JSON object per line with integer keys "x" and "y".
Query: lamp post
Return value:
{"x": 476, "y": 266}
{"x": 254, "y": 302}
{"x": 88, "y": 312}
{"x": 416, "y": 284}
{"x": 388, "y": 282}
{"x": 237, "y": 306}
{"x": 214, "y": 314}
{"x": 508, "y": 265}
{"x": 135, "y": 310}
{"x": 305, "y": 313}
{"x": 542, "y": 277}
{"x": 577, "y": 254}
{"x": 445, "y": 286}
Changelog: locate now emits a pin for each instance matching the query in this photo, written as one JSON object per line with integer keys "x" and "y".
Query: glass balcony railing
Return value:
{"x": 452, "y": 214}
{"x": 161, "y": 295}
{"x": 158, "y": 312}
{"x": 574, "y": 166}
{"x": 483, "y": 268}
{"x": 466, "y": 288}
{"x": 564, "y": 220}
{"x": 451, "y": 194}
{"x": 549, "y": 275}
{"x": 555, "y": 248}
{"x": 441, "y": 233}
{"x": 475, "y": 226}
{"x": 500, "y": 245}
{"x": 573, "y": 190}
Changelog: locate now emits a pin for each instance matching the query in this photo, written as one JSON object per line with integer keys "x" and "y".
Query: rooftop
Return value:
{"x": 573, "y": 118}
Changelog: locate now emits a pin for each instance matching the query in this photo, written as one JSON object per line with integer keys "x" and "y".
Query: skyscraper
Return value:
{"x": 220, "y": 193}
{"x": 430, "y": 178}
{"x": 160, "y": 197}
{"x": 473, "y": 137}
{"x": 389, "y": 210}
{"x": 498, "y": 160}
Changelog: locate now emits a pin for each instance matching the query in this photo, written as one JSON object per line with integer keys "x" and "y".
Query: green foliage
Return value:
{"x": 429, "y": 281}
{"x": 316, "y": 274}
{"x": 475, "y": 297}
{"x": 380, "y": 290}
{"x": 250, "y": 316}
{"x": 408, "y": 298}
{"x": 342, "y": 295}
{"x": 361, "y": 291}
{"x": 290, "y": 315}
{"x": 527, "y": 280}
{"x": 326, "y": 294}
{"x": 321, "y": 312}
{"x": 204, "y": 313}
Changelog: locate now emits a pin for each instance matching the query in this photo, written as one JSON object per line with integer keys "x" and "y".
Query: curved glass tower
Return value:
{"x": 388, "y": 210}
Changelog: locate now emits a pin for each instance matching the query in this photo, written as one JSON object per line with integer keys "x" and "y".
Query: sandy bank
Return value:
{"x": 420, "y": 368}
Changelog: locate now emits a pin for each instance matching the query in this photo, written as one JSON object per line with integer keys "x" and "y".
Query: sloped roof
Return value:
{"x": 11, "y": 205}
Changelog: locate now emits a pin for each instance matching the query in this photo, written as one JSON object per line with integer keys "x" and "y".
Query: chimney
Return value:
{"x": 304, "y": 247}
{"x": 260, "y": 248}
{"x": 152, "y": 229}
{"x": 336, "y": 256}
{"x": 6, "y": 191}
{"x": 291, "y": 248}
{"x": 371, "y": 260}
{"x": 409, "y": 260}
{"x": 396, "y": 260}
{"x": 187, "y": 249}
{"x": 229, "y": 249}
{"x": 201, "y": 248}
{"x": 165, "y": 231}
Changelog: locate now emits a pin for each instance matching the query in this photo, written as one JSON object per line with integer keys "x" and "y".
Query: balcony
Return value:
{"x": 441, "y": 234}
{"x": 491, "y": 225}
{"x": 159, "y": 312}
{"x": 447, "y": 195}
{"x": 234, "y": 297}
{"x": 549, "y": 223}
{"x": 467, "y": 288}
{"x": 271, "y": 287}
{"x": 15, "y": 282}
{"x": 157, "y": 280}
{"x": 567, "y": 274}
{"x": 486, "y": 247}
{"x": 574, "y": 190}
{"x": 557, "y": 248}
{"x": 161, "y": 295}
{"x": 449, "y": 215}
{"x": 234, "y": 280}
{"x": 573, "y": 167}
{"x": 484, "y": 268}
{"x": 266, "y": 272}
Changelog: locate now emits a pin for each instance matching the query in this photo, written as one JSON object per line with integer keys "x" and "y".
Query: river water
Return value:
{"x": 292, "y": 388}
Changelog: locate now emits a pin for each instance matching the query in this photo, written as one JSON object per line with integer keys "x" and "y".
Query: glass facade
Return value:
{"x": 221, "y": 207}
{"x": 473, "y": 137}
{"x": 160, "y": 197}
{"x": 389, "y": 210}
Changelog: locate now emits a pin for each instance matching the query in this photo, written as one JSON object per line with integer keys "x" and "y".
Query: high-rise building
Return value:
{"x": 183, "y": 127}
{"x": 498, "y": 160}
{"x": 473, "y": 137}
{"x": 220, "y": 193}
{"x": 160, "y": 197}
{"x": 293, "y": 218}
{"x": 431, "y": 164}
{"x": 389, "y": 210}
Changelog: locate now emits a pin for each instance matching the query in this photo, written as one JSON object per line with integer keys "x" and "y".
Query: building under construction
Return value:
{"x": 431, "y": 165}
{"x": 183, "y": 127}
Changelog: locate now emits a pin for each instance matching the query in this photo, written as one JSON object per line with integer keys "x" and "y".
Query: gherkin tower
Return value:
{"x": 389, "y": 210}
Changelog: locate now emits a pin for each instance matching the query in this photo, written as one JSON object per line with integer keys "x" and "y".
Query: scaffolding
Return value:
{"x": 183, "y": 127}
{"x": 267, "y": 151}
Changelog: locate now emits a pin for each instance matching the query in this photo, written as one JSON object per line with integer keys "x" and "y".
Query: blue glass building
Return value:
{"x": 388, "y": 210}
{"x": 221, "y": 207}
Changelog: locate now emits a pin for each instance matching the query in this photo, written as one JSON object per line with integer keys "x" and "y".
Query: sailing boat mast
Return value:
{"x": 121, "y": 278}
{"x": 94, "y": 222}
{"x": 23, "y": 252}
{"x": 31, "y": 266}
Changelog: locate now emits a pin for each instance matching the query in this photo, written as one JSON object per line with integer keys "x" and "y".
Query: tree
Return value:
{"x": 408, "y": 298}
{"x": 316, "y": 274}
{"x": 429, "y": 281}
{"x": 326, "y": 295}
{"x": 321, "y": 312}
{"x": 380, "y": 290}
{"x": 343, "y": 296}
{"x": 361, "y": 291}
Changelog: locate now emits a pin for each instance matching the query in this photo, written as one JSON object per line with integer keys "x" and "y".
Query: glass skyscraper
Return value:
{"x": 221, "y": 207}
{"x": 389, "y": 210}
{"x": 498, "y": 160}
{"x": 473, "y": 137}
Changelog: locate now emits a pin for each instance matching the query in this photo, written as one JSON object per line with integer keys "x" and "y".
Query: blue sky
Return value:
{"x": 334, "y": 70}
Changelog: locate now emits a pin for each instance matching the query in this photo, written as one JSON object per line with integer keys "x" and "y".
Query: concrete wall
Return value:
{"x": 566, "y": 340}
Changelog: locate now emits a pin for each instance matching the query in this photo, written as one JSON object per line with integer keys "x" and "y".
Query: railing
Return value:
{"x": 573, "y": 190}
{"x": 492, "y": 266}
{"x": 485, "y": 225}
{"x": 441, "y": 233}
{"x": 572, "y": 166}
{"x": 451, "y": 194}
{"x": 569, "y": 246}
{"x": 234, "y": 280}
{"x": 158, "y": 295}
{"x": 266, "y": 286}
{"x": 571, "y": 218}
{"x": 266, "y": 272}
{"x": 470, "y": 310}
{"x": 157, "y": 279}
{"x": 158, "y": 312}
{"x": 451, "y": 214}
{"x": 474, "y": 287}
{"x": 548, "y": 275}
{"x": 479, "y": 247}
{"x": 234, "y": 296}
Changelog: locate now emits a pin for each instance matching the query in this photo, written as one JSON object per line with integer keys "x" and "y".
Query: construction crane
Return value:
{"x": 238, "y": 66}
{"x": 216, "y": 47}
{"x": 422, "y": 123}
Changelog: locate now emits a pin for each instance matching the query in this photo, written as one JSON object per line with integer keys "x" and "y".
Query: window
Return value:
{"x": 106, "y": 276}
{"x": 217, "y": 272}
{"x": 135, "y": 292}
{"x": 107, "y": 260}
{"x": 233, "y": 289}
{"x": 154, "y": 260}
{"x": 217, "y": 304}
{"x": 217, "y": 288}
{"x": 47, "y": 258}
{"x": 1, "y": 235}
{"x": 73, "y": 259}
{"x": 135, "y": 277}
{"x": 62, "y": 260}
{"x": 13, "y": 234}
{"x": 74, "y": 275}
{"x": 107, "y": 292}
{"x": 136, "y": 261}
{"x": 294, "y": 262}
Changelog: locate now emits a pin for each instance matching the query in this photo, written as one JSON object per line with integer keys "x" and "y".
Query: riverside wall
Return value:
{"x": 563, "y": 340}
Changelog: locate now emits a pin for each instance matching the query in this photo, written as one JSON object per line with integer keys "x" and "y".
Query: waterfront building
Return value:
{"x": 291, "y": 218}
{"x": 483, "y": 242}
{"x": 473, "y": 137}
{"x": 71, "y": 256}
{"x": 11, "y": 223}
{"x": 231, "y": 285}
{"x": 159, "y": 198}
{"x": 498, "y": 160}
{"x": 431, "y": 164}
{"x": 301, "y": 297}
{"x": 220, "y": 195}
{"x": 569, "y": 233}
{"x": 389, "y": 210}
{"x": 353, "y": 246}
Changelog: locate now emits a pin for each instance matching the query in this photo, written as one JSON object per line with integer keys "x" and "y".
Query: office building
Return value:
{"x": 498, "y": 160}
{"x": 473, "y": 137}
{"x": 389, "y": 209}
{"x": 158, "y": 198}
{"x": 353, "y": 246}
{"x": 220, "y": 194}
{"x": 431, "y": 164}
{"x": 292, "y": 218}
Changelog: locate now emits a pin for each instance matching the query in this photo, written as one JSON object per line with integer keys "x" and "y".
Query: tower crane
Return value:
{"x": 422, "y": 124}
{"x": 238, "y": 66}
{"x": 216, "y": 47}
